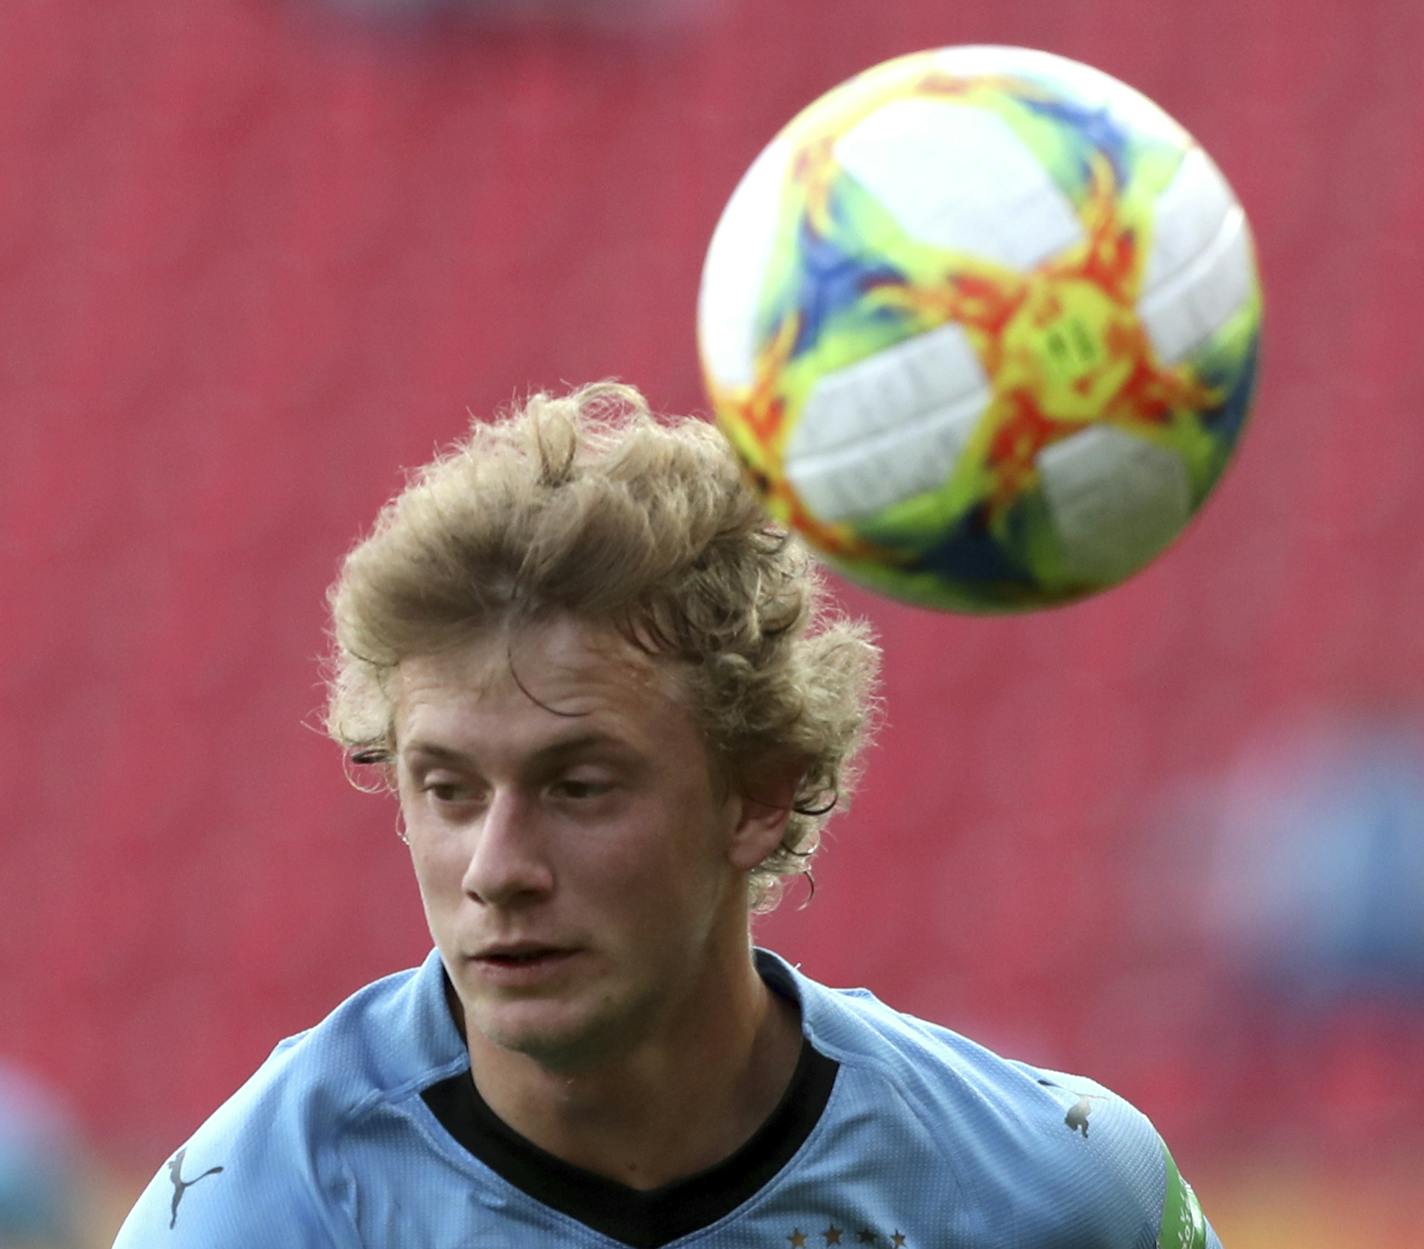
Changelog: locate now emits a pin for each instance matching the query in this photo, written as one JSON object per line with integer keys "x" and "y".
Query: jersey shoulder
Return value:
{"x": 1026, "y": 1146}
{"x": 268, "y": 1165}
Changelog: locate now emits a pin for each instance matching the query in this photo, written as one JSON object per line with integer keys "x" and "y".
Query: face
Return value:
{"x": 582, "y": 872}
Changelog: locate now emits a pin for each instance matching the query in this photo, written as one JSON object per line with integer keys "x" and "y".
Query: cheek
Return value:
{"x": 676, "y": 866}
{"x": 627, "y": 880}
{"x": 439, "y": 867}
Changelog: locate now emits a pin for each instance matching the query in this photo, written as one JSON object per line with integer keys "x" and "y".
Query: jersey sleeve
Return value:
{"x": 1139, "y": 1199}
{"x": 210, "y": 1197}
{"x": 262, "y": 1170}
{"x": 1183, "y": 1224}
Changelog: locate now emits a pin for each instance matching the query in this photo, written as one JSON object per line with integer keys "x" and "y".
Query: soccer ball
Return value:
{"x": 982, "y": 324}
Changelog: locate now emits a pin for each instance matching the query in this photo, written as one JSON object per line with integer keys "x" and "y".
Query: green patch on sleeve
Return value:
{"x": 1183, "y": 1224}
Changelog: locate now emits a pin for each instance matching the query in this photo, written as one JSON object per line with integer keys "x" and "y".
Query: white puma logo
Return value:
{"x": 1077, "y": 1117}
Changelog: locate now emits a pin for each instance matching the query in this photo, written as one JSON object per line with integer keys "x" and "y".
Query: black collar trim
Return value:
{"x": 644, "y": 1220}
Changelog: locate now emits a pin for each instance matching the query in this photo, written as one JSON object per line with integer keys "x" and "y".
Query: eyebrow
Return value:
{"x": 434, "y": 752}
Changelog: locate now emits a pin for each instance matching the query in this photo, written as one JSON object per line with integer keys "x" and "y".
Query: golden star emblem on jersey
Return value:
{"x": 834, "y": 1235}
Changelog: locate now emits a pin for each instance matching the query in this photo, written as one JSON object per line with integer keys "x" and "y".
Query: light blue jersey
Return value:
{"x": 896, "y": 1134}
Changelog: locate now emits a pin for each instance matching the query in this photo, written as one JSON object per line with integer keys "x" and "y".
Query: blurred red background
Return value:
{"x": 257, "y": 255}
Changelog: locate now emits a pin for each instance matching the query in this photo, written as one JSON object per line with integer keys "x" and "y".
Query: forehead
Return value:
{"x": 558, "y": 676}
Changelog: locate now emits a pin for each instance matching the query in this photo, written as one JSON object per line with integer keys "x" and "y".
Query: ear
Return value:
{"x": 762, "y": 807}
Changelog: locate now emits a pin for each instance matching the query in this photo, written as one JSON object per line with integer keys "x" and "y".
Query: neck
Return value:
{"x": 665, "y": 1109}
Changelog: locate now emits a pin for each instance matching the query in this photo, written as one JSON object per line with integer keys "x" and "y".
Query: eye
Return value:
{"x": 445, "y": 791}
{"x": 581, "y": 788}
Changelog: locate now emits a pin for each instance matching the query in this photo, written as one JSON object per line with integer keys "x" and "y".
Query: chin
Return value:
{"x": 558, "y": 1039}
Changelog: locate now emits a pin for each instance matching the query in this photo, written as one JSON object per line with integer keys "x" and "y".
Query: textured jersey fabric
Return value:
{"x": 895, "y": 1133}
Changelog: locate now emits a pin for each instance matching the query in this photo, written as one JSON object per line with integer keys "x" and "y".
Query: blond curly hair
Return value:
{"x": 586, "y": 504}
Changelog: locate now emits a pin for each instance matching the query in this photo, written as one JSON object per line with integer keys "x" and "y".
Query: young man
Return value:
{"x": 615, "y": 714}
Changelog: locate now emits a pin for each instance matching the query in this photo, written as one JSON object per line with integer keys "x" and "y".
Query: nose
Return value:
{"x": 509, "y": 863}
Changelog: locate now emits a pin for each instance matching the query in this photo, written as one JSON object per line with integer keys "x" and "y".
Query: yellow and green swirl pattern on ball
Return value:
{"x": 983, "y": 324}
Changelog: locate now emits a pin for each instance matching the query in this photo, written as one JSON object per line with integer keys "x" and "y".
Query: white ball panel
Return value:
{"x": 895, "y": 386}
{"x": 1227, "y": 276}
{"x": 1181, "y": 313}
{"x": 896, "y": 464}
{"x": 957, "y": 177}
{"x": 888, "y": 427}
{"x": 1116, "y": 500}
{"x": 1187, "y": 216}
{"x": 737, "y": 261}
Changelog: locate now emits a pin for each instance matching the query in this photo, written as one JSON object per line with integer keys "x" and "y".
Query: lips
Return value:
{"x": 519, "y": 952}
{"x": 521, "y": 966}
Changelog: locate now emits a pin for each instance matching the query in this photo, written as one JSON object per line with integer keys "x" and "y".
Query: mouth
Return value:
{"x": 513, "y": 961}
